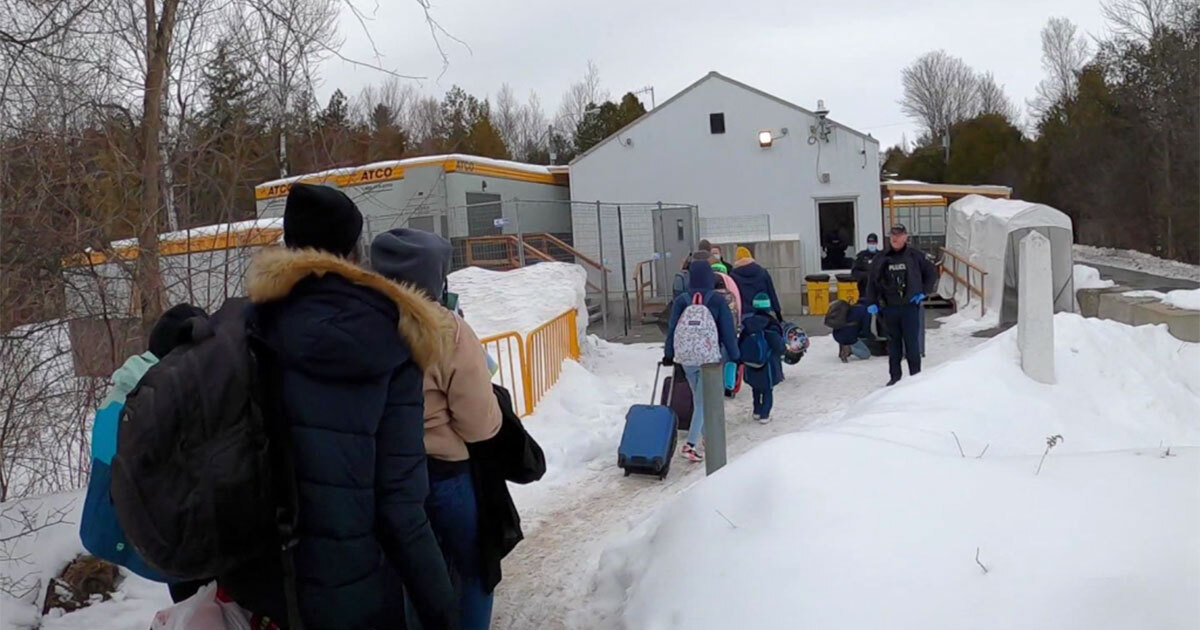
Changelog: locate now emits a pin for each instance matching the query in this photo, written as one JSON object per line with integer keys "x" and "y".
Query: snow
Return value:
{"x": 45, "y": 554}
{"x": 522, "y": 299}
{"x": 1187, "y": 299}
{"x": 1089, "y": 278}
{"x": 205, "y": 230}
{"x": 874, "y": 519}
{"x": 419, "y": 161}
{"x": 1137, "y": 261}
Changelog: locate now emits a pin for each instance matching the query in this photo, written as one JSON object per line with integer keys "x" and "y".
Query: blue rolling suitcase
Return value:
{"x": 648, "y": 441}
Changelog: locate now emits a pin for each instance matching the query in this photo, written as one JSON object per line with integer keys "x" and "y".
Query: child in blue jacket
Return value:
{"x": 99, "y": 530}
{"x": 761, "y": 346}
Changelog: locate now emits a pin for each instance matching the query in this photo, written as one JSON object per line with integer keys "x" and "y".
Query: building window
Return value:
{"x": 716, "y": 122}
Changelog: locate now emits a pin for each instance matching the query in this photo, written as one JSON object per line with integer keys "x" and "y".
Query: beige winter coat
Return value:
{"x": 460, "y": 406}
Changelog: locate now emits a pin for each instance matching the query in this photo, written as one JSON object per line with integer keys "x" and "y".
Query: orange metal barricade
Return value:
{"x": 508, "y": 351}
{"x": 545, "y": 349}
{"x": 539, "y": 358}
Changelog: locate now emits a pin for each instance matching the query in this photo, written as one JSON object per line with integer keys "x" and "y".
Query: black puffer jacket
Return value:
{"x": 350, "y": 346}
{"x": 896, "y": 276}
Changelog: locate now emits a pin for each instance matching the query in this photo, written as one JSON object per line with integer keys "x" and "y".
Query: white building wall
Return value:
{"x": 671, "y": 156}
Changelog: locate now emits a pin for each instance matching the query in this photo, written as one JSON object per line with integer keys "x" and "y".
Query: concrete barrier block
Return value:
{"x": 1089, "y": 300}
{"x": 1118, "y": 307}
{"x": 1184, "y": 325}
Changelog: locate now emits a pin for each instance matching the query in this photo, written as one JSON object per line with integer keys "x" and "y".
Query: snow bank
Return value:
{"x": 1089, "y": 278}
{"x": 875, "y": 521}
{"x": 522, "y": 299}
{"x": 1187, "y": 299}
{"x": 1118, "y": 387}
{"x": 579, "y": 421}
{"x": 1137, "y": 261}
{"x": 46, "y": 552}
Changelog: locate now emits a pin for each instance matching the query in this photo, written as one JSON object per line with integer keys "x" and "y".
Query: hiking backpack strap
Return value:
{"x": 267, "y": 391}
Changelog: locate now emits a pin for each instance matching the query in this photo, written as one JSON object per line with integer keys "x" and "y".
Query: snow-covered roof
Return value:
{"x": 394, "y": 169}
{"x": 912, "y": 186}
{"x": 1015, "y": 213}
{"x": 191, "y": 240}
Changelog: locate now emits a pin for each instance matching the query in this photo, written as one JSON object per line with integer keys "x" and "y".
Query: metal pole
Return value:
{"x": 712, "y": 382}
{"x": 603, "y": 270}
{"x": 624, "y": 270}
{"x": 520, "y": 236}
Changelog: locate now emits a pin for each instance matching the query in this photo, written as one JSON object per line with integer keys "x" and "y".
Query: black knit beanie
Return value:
{"x": 173, "y": 329}
{"x": 320, "y": 217}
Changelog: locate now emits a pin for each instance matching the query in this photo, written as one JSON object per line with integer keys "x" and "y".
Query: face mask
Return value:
{"x": 872, "y": 248}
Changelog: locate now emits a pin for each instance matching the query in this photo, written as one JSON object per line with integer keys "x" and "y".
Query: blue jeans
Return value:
{"x": 860, "y": 350}
{"x": 764, "y": 399}
{"x": 692, "y": 372}
{"x": 454, "y": 516}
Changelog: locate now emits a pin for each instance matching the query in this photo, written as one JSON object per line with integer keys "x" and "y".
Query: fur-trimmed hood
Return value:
{"x": 428, "y": 328}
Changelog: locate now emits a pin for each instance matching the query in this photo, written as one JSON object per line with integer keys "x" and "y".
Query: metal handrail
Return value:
{"x": 980, "y": 290}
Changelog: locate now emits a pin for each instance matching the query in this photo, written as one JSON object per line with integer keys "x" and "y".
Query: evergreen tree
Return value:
{"x": 337, "y": 113}
{"x": 458, "y": 116}
{"x": 387, "y": 140}
{"x": 485, "y": 141}
{"x": 603, "y": 121}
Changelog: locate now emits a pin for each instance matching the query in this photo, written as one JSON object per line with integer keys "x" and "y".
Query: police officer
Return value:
{"x": 862, "y": 263}
{"x": 897, "y": 282}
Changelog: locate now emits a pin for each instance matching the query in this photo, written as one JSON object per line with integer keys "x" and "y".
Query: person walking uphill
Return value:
{"x": 899, "y": 279}
{"x": 349, "y": 348}
{"x": 701, "y": 293}
{"x": 752, "y": 279}
{"x": 460, "y": 408}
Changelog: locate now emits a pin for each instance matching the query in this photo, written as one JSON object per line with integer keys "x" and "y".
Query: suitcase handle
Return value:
{"x": 654, "y": 387}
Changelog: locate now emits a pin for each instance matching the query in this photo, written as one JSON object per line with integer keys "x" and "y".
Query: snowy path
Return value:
{"x": 547, "y": 578}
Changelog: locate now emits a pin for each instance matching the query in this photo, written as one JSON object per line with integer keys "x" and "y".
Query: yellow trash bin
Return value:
{"x": 847, "y": 288}
{"x": 818, "y": 293}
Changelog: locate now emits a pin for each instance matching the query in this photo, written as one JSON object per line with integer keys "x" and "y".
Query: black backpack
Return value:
{"x": 838, "y": 315}
{"x": 202, "y": 479}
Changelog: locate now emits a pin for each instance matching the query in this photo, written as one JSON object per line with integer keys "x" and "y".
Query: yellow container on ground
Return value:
{"x": 818, "y": 293}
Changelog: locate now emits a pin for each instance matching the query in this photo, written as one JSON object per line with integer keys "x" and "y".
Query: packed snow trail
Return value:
{"x": 548, "y": 577}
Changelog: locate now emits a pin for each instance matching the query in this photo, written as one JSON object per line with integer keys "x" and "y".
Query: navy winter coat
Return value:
{"x": 920, "y": 276}
{"x": 703, "y": 280}
{"x": 752, "y": 279}
{"x": 351, "y": 347}
{"x": 859, "y": 325}
{"x": 770, "y": 375}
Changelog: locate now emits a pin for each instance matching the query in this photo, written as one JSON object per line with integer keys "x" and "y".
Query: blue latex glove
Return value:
{"x": 873, "y": 309}
{"x": 916, "y": 299}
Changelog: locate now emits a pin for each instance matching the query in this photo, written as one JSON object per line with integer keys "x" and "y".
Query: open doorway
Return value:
{"x": 835, "y": 223}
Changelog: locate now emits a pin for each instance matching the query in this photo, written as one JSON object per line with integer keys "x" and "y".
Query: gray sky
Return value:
{"x": 848, "y": 53}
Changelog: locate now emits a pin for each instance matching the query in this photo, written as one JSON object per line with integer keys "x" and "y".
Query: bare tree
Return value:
{"x": 575, "y": 101}
{"x": 993, "y": 100}
{"x": 1064, "y": 53}
{"x": 939, "y": 90}
{"x": 1141, "y": 19}
{"x": 424, "y": 116}
{"x": 506, "y": 117}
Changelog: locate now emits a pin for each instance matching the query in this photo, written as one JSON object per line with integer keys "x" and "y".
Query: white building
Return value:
{"x": 751, "y": 162}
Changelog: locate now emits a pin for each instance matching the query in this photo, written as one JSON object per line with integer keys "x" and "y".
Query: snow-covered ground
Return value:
{"x": 42, "y": 555}
{"x": 1086, "y": 277}
{"x": 1187, "y": 299}
{"x": 878, "y": 519}
{"x": 1136, "y": 261}
{"x": 584, "y": 502}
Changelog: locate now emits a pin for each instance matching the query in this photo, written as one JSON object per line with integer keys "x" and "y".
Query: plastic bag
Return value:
{"x": 202, "y": 611}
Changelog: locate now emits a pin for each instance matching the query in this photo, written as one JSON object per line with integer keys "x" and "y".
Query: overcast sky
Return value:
{"x": 849, "y": 53}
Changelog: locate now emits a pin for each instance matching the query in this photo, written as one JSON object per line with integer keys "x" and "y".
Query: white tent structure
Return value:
{"x": 987, "y": 233}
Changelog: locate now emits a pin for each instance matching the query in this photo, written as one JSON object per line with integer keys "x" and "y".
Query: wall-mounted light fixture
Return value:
{"x": 766, "y": 138}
